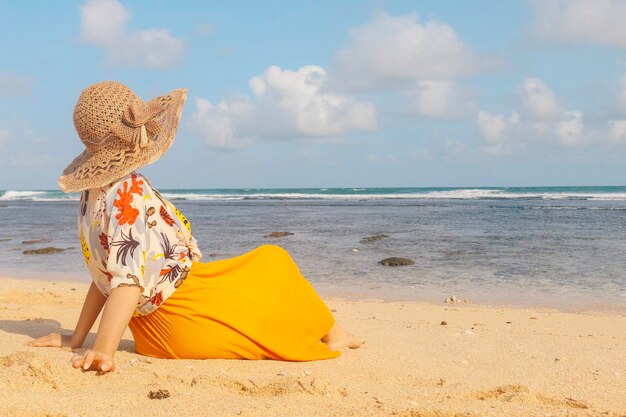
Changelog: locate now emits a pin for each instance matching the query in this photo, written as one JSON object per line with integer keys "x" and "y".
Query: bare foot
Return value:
{"x": 338, "y": 338}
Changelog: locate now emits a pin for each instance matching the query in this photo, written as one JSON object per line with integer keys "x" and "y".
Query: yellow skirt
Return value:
{"x": 253, "y": 306}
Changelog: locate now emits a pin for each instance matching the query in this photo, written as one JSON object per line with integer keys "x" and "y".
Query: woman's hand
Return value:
{"x": 54, "y": 340}
{"x": 94, "y": 360}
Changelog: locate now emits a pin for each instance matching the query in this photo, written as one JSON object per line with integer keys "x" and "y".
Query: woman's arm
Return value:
{"x": 117, "y": 313}
{"x": 94, "y": 301}
{"x": 126, "y": 241}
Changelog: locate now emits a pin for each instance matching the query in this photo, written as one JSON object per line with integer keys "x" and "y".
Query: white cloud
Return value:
{"x": 102, "y": 21}
{"x": 617, "y": 130}
{"x": 439, "y": 99}
{"x": 594, "y": 21}
{"x": 103, "y": 25}
{"x": 14, "y": 85}
{"x": 285, "y": 104}
{"x": 538, "y": 101}
{"x": 491, "y": 126}
{"x": 391, "y": 51}
{"x": 497, "y": 131}
{"x": 570, "y": 128}
{"x": 541, "y": 118}
{"x": 225, "y": 125}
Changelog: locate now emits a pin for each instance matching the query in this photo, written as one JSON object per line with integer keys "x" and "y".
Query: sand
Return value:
{"x": 486, "y": 361}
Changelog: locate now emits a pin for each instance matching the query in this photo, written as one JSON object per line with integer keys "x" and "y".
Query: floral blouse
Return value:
{"x": 132, "y": 236}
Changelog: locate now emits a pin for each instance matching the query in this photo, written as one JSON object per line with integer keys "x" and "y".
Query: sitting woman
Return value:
{"x": 145, "y": 265}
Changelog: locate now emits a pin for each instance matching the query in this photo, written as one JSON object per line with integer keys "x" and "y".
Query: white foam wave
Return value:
{"x": 458, "y": 194}
{"x": 604, "y": 196}
{"x": 20, "y": 195}
{"x": 462, "y": 194}
{"x": 42, "y": 196}
{"x": 199, "y": 196}
{"x": 288, "y": 196}
{"x": 68, "y": 198}
{"x": 476, "y": 194}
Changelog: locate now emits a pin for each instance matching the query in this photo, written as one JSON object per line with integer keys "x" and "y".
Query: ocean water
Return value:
{"x": 561, "y": 247}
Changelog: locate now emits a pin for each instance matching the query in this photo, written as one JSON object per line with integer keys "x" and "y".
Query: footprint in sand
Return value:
{"x": 523, "y": 394}
{"x": 33, "y": 369}
{"x": 272, "y": 388}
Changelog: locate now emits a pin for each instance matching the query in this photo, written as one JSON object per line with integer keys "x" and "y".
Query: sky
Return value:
{"x": 363, "y": 93}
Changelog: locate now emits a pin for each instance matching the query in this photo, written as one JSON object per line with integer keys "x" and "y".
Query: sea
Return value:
{"x": 558, "y": 247}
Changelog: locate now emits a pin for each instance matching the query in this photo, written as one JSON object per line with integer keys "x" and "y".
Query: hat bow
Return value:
{"x": 139, "y": 119}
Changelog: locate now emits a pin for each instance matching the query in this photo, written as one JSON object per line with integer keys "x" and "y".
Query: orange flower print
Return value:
{"x": 157, "y": 299}
{"x": 127, "y": 213}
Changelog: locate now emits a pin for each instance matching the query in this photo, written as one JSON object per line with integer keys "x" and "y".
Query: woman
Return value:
{"x": 144, "y": 261}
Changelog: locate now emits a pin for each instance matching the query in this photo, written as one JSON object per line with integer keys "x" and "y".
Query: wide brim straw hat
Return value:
{"x": 121, "y": 133}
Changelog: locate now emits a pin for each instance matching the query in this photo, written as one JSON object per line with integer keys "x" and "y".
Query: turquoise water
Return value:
{"x": 554, "y": 246}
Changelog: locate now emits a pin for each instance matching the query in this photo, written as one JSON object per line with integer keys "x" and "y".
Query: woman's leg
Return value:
{"x": 254, "y": 306}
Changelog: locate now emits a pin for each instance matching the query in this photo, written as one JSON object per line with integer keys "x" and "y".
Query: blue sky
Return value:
{"x": 329, "y": 94}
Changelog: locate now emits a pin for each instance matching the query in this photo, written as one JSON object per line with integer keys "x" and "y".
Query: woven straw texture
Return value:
{"x": 120, "y": 132}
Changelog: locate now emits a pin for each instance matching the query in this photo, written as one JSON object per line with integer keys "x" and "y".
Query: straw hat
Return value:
{"x": 121, "y": 133}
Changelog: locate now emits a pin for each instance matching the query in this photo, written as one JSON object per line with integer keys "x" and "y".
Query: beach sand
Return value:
{"x": 486, "y": 361}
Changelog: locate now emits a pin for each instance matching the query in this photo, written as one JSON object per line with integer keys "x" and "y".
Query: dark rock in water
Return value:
{"x": 3, "y": 205}
{"x": 4, "y": 240}
{"x": 158, "y": 394}
{"x": 278, "y": 234}
{"x": 373, "y": 238}
{"x": 30, "y": 242}
{"x": 394, "y": 261}
{"x": 42, "y": 251}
